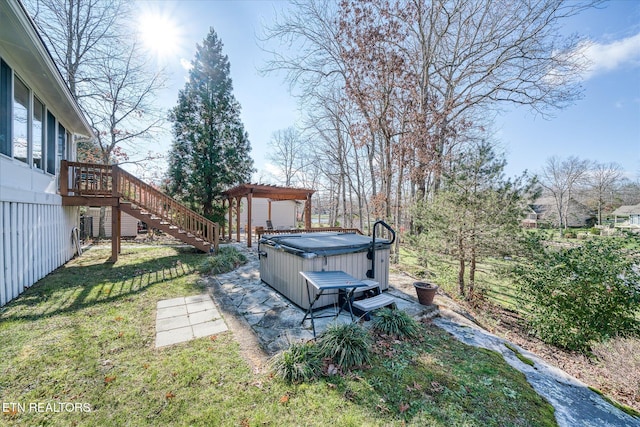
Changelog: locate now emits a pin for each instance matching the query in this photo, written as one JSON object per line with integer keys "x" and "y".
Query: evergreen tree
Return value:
{"x": 210, "y": 151}
{"x": 476, "y": 214}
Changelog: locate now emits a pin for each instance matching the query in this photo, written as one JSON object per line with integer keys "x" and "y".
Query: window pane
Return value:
{"x": 62, "y": 143}
{"x": 20, "y": 120}
{"x": 38, "y": 133}
{"x": 5, "y": 108}
{"x": 51, "y": 143}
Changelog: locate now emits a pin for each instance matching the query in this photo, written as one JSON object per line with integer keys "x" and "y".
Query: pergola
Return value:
{"x": 271, "y": 192}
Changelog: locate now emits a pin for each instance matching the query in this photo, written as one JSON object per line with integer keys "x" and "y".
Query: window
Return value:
{"x": 62, "y": 143}
{"x": 20, "y": 120}
{"x": 51, "y": 143}
{"x": 5, "y": 108}
{"x": 37, "y": 132}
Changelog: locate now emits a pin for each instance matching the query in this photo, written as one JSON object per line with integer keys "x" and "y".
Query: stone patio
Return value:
{"x": 274, "y": 319}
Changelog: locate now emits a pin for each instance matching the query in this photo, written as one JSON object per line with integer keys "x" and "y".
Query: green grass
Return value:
{"x": 624, "y": 408}
{"x": 85, "y": 334}
{"x": 519, "y": 355}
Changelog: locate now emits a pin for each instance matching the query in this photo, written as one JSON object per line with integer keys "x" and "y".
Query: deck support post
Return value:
{"x": 115, "y": 216}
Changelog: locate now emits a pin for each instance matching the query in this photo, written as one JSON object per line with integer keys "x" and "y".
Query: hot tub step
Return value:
{"x": 369, "y": 304}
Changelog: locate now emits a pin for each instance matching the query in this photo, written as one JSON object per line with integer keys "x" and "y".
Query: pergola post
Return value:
{"x": 224, "y": 204}
{"x": 238, "y": 199}
{"x": 249, "y": 203}
{"x": 230, "y": 216}
{"x": 307, "y": 211}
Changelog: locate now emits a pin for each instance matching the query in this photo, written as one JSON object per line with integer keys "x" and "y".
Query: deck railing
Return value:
{"x": 88, "y": 179}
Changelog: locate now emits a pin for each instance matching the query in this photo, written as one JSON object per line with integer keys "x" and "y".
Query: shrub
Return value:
{"x": 395, "y": 322}
{"x": 227, "y": 259}
{"x": 348, "y": 345}
{"x": 581, "y": 295}
{"x": 299, "y": 363}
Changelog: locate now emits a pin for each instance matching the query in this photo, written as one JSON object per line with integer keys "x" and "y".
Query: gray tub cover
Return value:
{"x": 309, "y": 245}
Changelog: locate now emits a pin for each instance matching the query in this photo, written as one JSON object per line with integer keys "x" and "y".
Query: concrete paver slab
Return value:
{"x": 174, "y": 336}
{"x": 209, "y": 328}
{"x": 174, "y": 311}
{"x": 185, "y": 318}
{"x": 203, "y": 316}
{"x": 196, "y": 298}
{"x": 200, "y": 306}
{"x": 169, "y": 323}
{"x": 170, "y": 302}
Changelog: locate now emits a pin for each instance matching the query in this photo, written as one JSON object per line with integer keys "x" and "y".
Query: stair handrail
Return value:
{"x": 164, "y": 206}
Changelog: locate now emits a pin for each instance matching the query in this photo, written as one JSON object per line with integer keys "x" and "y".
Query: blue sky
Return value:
{"x": 604, "y": 125}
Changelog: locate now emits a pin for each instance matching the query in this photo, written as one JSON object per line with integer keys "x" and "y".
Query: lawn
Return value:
{"x": 78, "y": 349}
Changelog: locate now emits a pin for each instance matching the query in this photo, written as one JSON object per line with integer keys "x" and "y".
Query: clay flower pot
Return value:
{"x": 426, "y": 292}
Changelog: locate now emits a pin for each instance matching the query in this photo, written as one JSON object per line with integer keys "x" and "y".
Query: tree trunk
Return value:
{"x": 461, "y": 267}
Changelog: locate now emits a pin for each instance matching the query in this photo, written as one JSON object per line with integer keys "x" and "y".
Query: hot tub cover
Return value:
{"x": 309, "y": 245}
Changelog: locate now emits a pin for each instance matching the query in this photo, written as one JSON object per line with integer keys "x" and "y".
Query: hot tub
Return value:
{"x": 283, "y": 257}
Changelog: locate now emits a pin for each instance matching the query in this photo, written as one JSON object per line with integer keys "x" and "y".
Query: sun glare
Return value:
{"x": 160, "y": 35}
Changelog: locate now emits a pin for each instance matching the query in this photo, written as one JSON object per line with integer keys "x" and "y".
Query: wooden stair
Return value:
{"x": 153, "y": 221}
{"x": 89, "y": 184}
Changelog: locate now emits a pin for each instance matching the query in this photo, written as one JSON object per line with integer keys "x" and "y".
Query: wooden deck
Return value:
{"x": 88, "y": 184}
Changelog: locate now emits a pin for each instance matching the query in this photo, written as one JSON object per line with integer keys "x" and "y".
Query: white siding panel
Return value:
{"x": 6, "y": 245}
{"x": 3, "y": 291}
{"x": 20, "y": 246}
{"x": 35, "y": 240}
{"x": 14, "y": 244}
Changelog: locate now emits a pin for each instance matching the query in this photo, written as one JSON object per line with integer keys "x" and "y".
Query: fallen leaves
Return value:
{"x": 284, "y": 399}
{"x": 109, "y": 379}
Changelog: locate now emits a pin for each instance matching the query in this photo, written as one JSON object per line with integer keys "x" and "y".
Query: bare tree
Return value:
{"x": 106, "y": 72}
{"x": 76, "y": 32}
{"x": 421, "y": 75}
{"x": 121, "y": 109}
{"x": 601, "y": 181}
{"x": 288, "y": 153}
{"x": 560, "y": 178}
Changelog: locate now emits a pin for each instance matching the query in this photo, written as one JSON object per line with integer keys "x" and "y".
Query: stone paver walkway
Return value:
{"x": 185, "y": 318}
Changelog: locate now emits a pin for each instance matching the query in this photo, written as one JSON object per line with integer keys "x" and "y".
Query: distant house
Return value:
{"x": 546, "y": 212}
{"x": 39, "y": 122}
{"x": 531, "y": 218}
{"x": 629, "y": 216}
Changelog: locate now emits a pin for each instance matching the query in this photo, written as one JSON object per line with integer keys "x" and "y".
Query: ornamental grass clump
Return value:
{"x": 395, "y": 322}
{"x": 299, "y": 363}
{"x": 348, "y": 345}
{"x": 226, "y": 259}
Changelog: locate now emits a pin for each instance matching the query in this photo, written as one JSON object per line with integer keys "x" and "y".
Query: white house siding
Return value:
{"x": 128, "y": 224}
{"x": 35, "y": 240}
{"x": 35, "y": 229}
